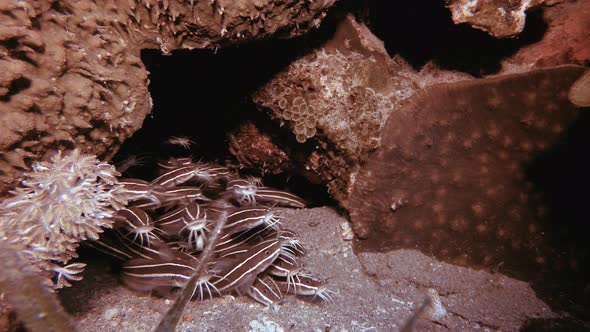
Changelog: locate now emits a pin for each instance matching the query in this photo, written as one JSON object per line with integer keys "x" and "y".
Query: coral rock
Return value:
{"x": 338, "y": 98}
{"x": 453, "y": 175}
{"x": 580, "y": 91}
{"x": 255, "y": 149}
{"x": 67, "y": 78}
{"x": 500, "y": 18}
{"x": 565, "y": 40}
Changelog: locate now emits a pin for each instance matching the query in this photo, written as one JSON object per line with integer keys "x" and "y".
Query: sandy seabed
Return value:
{"x": 374, "y": 292}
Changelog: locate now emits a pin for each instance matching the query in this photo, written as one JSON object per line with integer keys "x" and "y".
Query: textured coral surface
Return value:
{"x": 254, "y": 149}
{"x": 22, "y": 288}
{"x": 339, "y": 96}
{"x": 455, "y": 177}
{"x": 565, "y": 40}
{"x": 500, "y": 18}
{"x": 68, "y": 77}
{"x": 71, "y": 73}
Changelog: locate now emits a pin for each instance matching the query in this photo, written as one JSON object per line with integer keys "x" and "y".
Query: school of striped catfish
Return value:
{"x": 161, "y": 234}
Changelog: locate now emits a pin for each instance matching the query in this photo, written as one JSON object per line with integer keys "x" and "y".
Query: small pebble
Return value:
{"x": 347, "y": 232}
{"x": 111, "y": 313}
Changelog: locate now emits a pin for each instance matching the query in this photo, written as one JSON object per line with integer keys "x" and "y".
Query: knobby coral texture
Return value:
{"x": 60, "y": 202}
{"x": 162, "y": 234}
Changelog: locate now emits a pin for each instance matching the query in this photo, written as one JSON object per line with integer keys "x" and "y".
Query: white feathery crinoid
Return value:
{"x": 60, "y": 203}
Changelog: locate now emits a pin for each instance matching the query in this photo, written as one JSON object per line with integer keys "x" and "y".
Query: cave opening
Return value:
{"x": 216, "y": 101}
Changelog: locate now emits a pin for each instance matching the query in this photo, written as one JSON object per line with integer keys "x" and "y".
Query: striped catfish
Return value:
{"x": 164, "y": 274}
{"x": 237, "y": 241}
{"x": 116, "y": 245}
{"x": 265, "y": 290}
{"x": 174, "y": 163}
{"x": 146, "y": 204}
{"x": 173, "y": 222}
{"x": 181, "y": 195}
{"x": 199, "y": 172}
{"x": 292, "y": 239}
{"x": 149, "y": 274}
{"x": 188, "y": 222}
{"x": 175, "y": 177}
{"x": 195, "y": 226}
{"x": 249, "y": 217}
{"x": 288, "y": 271}
{"x": 135, "y": 189}
{"x": 278, "y": 197}
{"x": 242, "y": 271}
{"x": 138, "y": 223}
{"x": 306, "y": 286}
{"x": 183, "y": 246}
{"x": 218, "y": 172}
{"x": 242, "y": 190}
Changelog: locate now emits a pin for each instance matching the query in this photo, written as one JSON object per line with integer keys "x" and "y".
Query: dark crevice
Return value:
{"x": 60, "y": 8}
{"x": 420, "y": 36}
{"x": 11, "y": 43}
{"x": 561, "y": 177}
{"x": 16, "y": 86}
{"x": 34, "y": 109}
{"x": 216, "y": 100}
{"x": 65, "y": 145}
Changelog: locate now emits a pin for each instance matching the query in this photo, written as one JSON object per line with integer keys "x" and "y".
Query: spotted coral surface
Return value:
{"x": 460, "y": 177}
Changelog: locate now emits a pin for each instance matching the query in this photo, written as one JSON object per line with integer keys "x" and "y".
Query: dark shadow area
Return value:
{"x": 554, "y": 325}
{"x": 422, "y": 31}
{"x": 201, "y": 95}
{"x": 16, "y": 86}
{"x": 562, "y": 177}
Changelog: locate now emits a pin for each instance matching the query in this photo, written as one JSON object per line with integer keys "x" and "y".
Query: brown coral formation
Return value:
{"x": 339, "y": 96}
{"x": 500, "y": 18}
{"x": 452, "y": 176}
{"x": 565, "y": 41}
{"x": 579, "y": 93}
{"x": 71, "y": 73}
{"x": 67, "y": 79}
{"x": 255, "y": 149}
{"x": 190, "y": 24}
{"x": 314, "y": 97}
{"x": 22, "y": 288}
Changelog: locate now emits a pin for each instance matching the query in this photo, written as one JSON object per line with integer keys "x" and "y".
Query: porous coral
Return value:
{"x": 59, "y": 203}
{"x": 68, "y": 78}
{"x": 331, "y": 92}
